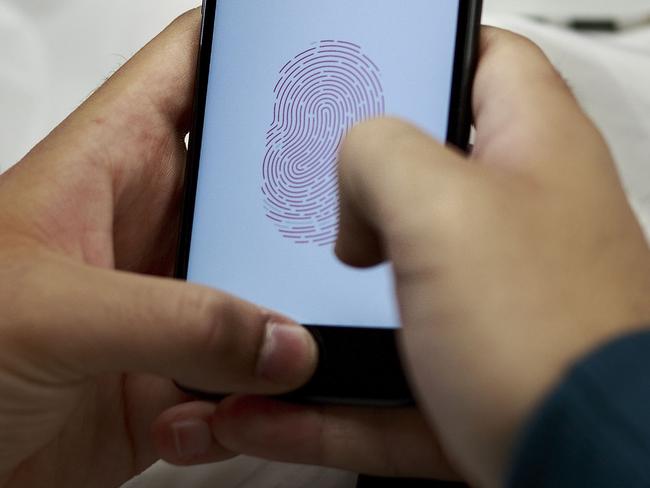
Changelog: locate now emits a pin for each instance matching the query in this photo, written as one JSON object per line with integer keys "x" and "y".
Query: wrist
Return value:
{"x": 598, "y": 412}
{"x": 535, "y": 384}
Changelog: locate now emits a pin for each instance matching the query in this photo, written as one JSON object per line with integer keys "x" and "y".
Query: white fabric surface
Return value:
{"x": 611, "y": 77}
{"x": 53, "y": 54}
{"x": 566, "y": 9}
{"x": 243, "y": 473}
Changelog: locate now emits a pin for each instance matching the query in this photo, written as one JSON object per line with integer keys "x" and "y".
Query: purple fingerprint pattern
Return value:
{"x": 320, "y": 95}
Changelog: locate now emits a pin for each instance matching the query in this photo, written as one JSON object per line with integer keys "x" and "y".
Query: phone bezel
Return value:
{"x": 367, "y": 368}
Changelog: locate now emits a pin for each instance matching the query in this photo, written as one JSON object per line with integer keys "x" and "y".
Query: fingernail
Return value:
{"x": 288, "y": 355}
{"x": 192, "y": 438}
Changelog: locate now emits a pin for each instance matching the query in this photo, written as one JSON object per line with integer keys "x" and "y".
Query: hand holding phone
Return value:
{"x": 511, "y": 265}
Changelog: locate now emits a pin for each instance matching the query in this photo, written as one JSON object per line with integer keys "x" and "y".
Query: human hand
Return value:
{"x": 511, "y": 264}
{"x": 87, "y": 351}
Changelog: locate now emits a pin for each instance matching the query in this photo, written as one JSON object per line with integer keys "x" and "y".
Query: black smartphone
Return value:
{"x": 280, "y": 83}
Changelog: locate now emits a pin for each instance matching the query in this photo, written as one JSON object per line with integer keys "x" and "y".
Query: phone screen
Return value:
{"x": 287, "y": 80}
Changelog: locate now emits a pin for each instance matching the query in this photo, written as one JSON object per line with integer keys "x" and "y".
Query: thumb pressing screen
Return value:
{"x": 288, "y": 79}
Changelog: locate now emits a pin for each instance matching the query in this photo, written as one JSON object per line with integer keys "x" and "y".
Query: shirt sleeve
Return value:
{"x": 594, "y": 429}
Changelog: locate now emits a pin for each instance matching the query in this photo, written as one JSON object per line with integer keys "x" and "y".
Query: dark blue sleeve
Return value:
{"x": 594, "y": 429}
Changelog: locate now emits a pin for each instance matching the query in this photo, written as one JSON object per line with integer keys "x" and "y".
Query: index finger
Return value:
{"x": 381, "y": 442}
{"x": 525, "y": 114}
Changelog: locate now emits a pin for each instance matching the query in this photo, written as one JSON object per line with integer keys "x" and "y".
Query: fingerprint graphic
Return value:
{"x": 321, "y": 94}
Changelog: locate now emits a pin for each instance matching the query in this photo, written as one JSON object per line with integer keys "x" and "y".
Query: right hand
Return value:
{"x": 510, "y": 265}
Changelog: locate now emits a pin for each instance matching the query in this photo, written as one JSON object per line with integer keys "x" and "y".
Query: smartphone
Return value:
{"x": 280, "y": 83}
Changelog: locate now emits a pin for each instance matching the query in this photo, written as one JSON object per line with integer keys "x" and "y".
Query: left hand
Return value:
{"x": 88, "y": 346}
{"x": 373, "y": 441}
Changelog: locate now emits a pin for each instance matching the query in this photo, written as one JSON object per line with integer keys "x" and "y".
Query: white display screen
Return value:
{"x": 288, "y": 79}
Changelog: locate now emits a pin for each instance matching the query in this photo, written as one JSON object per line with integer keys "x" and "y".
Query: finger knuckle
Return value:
{"x": 495, "y": 38}
{"x": 190, "y": 17}
{"x": 518, "y": 47}
{"x": 226, "y": 329}
{"x": 203, "y": 311}
{"x": 24, "y": 315}
{"x": 372, "y": 138}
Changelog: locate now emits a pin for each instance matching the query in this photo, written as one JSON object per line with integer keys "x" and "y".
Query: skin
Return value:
{"x": 87, "y": 346}
{"x": 510, "y": 265}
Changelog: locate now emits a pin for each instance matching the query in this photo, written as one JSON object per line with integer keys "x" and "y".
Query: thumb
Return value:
{"x": 398, "y": 186}
{"x": 90, "y": 321}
